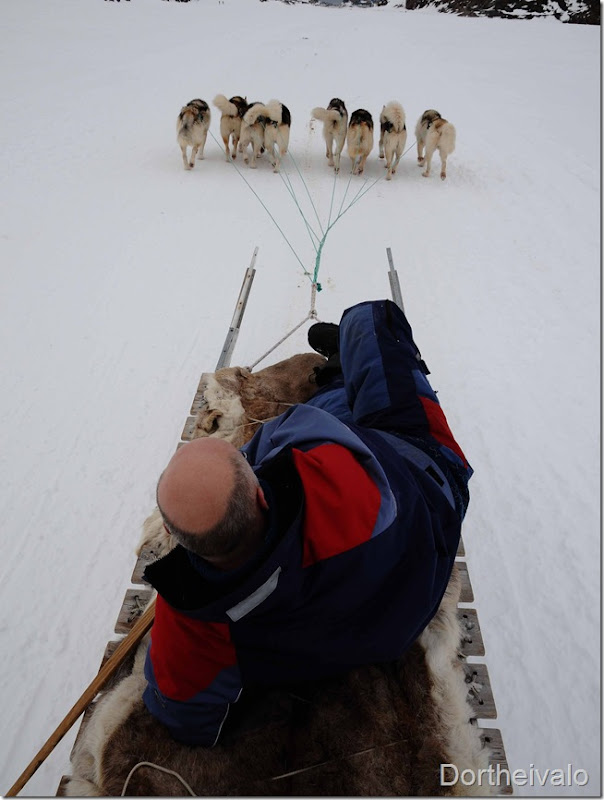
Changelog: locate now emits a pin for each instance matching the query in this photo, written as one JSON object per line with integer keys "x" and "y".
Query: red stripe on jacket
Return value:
{"x": 187, "y": 654}
{"x": 342, "y": 502}
{"x": 439, "y": 427}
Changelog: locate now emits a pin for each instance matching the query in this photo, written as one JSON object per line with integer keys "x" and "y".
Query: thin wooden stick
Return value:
{"x": 108, "y": 669}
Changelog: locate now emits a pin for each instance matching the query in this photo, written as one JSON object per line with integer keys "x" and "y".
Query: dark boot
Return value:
{"x": 323, "y": 337}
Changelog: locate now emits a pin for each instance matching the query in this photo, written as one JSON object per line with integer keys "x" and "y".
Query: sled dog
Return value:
{"x": 252, "y": 133}
{"x": 432, "y": 132}
{"x": 393, "y": 135}
{"x": 230, "y": 122}
{"x": 192, "y": 129}
{"x": 335, "y": 123}
{"x": 359, "y": 139}
{"x": 273, "y": 121}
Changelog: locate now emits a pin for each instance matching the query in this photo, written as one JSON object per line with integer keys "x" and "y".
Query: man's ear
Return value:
{"x": 261, "y": 499}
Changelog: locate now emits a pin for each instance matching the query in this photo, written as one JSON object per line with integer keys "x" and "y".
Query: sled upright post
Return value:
{"x": 231, "y": 337}
{"x": 395, "y": 287}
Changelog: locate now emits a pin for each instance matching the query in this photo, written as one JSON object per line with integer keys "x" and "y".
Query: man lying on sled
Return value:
{"x": 324, "y": 544}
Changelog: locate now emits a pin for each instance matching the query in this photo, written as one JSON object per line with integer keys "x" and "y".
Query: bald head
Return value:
{"x": 195, "y": 487}
{"x": 211, "y": 500}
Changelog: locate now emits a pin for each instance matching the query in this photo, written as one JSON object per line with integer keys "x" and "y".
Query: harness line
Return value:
{"x": 318, "y": 248}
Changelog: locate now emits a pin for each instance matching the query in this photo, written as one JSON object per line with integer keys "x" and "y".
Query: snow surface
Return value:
{"x": 120, "y": 273}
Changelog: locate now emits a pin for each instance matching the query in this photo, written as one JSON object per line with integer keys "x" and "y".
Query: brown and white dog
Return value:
{"x": 393, "y": 135}
{"x": 277, "y": 125}
{"x": 266, "y": 127}
{"x": 192, "y": 129}
{"x": 433, "y": 132}
{"x": 230, "y": 122}
{"x": 359, "y": 139}
{"x": 252, "y": 133}
{"x": 335, "y": 123}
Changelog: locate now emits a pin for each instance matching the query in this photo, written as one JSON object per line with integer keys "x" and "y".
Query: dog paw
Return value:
{"x": 389, "y": 177}
{"x": 425, "y": 174}
{"x": 443, "y": 176}
{"x": 420, "y": 161}
{"x": 381, "y": 155}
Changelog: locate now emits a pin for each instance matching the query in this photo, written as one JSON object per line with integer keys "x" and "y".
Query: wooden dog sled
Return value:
{"x": 377, "y": 731}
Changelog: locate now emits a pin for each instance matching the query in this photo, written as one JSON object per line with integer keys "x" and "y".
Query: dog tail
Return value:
{"x": 228, "y": 109}
{"x": 394, "y": 113}
{"x": 447, "y": 137}
{"x": 326, "y": 114}
{"x": 274, "y": 111}
{"x": 185, "y": 120}
{"x": 257, "y": 110}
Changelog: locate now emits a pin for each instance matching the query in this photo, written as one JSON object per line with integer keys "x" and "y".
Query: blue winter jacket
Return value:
{"x": 367, "y": 490}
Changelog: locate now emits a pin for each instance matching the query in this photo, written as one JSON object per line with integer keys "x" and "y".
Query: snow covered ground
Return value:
{"x": 120, "y": 273}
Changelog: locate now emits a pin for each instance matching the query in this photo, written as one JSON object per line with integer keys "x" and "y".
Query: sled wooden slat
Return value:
{"x": 110, "y": 650}
{"x": 480, "y": 695}
{"x": 133, "y": 606}
{"x": 467, "y": 595}
{"x": 147, "y": 556}
{"x": 471, "y": 643}
{"x": 199, "y": 401}
{"x": 188, "y": 430}
{"x": 491, "y": 738}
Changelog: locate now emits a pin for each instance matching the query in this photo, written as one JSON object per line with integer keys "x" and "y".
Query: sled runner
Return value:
{"x": 404, "y": 728}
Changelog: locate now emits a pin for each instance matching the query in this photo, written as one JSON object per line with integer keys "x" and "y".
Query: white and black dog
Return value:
{"x": 192, "y": 129}
{"x": 359, "y": 139}
{"x": 252, "y": 132}
{"x": 393, "y": 135}
{"x": 230, "y": 122}
{"x": 266, "y": 127}
{"x": 433, "y": 132}
{"x": 277, "y": 125}
{"x": 335, "y": 123}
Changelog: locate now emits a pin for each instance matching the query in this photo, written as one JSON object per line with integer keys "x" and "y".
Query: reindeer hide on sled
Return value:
{"x": 380, "y": 730}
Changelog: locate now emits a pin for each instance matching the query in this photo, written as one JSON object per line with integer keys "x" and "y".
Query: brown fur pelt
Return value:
{"x": 237, "y": 400}
{"x": 379, "y": 730}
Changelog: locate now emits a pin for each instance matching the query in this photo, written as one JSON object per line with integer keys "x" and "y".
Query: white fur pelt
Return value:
{"x": 449, "y": 690}
{"x": 434, "y": 133}
{"x": 393, "y": 135}
{"x": 111, "y": 710}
